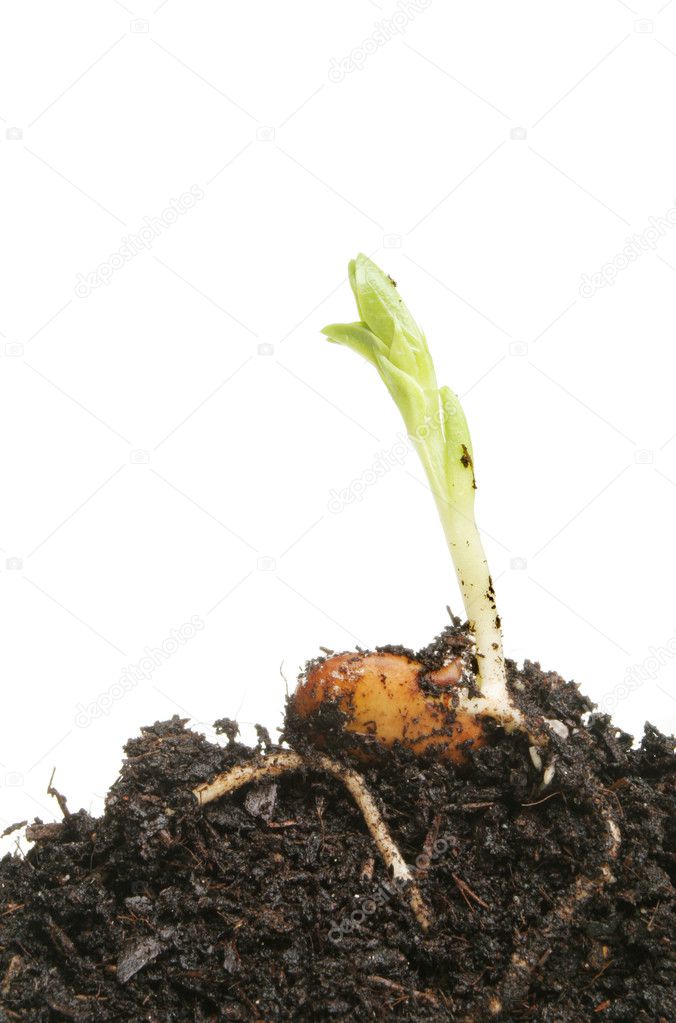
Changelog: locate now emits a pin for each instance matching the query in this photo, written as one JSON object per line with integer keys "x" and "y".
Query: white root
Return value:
{"x": 245, "y": 774}
{"x": 286, "y": 761}
{"x": 548, "y": 774}
{"x": 535, "y": 757}
{"x": 558, "y": 727}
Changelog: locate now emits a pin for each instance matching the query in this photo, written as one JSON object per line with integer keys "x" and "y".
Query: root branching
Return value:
{"x": 286, "y": 761}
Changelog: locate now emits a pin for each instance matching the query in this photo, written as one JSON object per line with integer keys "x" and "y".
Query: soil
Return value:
{"x": 272, "y": 904}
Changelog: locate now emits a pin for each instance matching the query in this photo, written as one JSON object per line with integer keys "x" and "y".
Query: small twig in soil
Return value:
{"x": 652, "y": 918}
{"x": 454, "y": 619}
{"x": 21, "y": 853}
{"x": 286, "y": 761}
{"x": 431, "y": 836}
{"x": 599, "y": 974}
{"x": 465, "y": 891}
{"x": 11, "y": 828}
{"x": 13, "y": 907}
{"x": 15, "y": 965}
{"x": 44, "y": 832}
{"x": 426, "y": 996}
{"x": 544, "y": 799}
{"x": 61, "y": 800}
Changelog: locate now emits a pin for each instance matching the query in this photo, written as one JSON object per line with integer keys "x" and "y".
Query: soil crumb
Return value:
{"x": 272, "y": 904}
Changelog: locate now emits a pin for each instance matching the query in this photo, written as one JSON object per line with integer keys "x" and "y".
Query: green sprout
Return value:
{"x": 387, "y": 336}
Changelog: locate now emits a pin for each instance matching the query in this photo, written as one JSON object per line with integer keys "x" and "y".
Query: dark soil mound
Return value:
{"x": 273, "y": 904}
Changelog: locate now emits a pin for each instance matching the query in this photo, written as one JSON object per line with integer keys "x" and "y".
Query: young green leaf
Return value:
{"x": 358, "y": 337}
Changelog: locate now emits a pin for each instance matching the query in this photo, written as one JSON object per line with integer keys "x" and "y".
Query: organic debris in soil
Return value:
{"x": 272, "y": 904}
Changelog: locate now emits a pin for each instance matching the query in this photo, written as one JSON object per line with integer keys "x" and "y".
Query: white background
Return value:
{"x": 487, "y": 155}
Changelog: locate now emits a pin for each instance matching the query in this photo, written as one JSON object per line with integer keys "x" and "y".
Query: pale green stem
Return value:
{"x": 476, "y": 586}
{"x": 478, "y": 595}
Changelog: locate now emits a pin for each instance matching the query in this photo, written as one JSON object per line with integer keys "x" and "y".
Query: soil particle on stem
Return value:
{"x": 272, "y": 904}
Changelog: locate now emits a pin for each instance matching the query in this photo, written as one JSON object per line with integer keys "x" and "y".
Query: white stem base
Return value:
{"x": 478, "y": 596}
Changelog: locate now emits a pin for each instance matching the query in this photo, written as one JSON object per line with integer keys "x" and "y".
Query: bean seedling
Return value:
{"x": 387, "y": 698}
{"x": 389, "y": 691}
